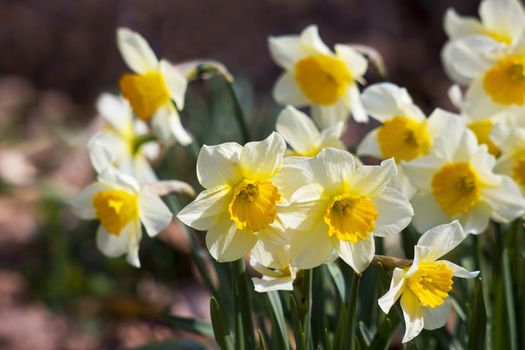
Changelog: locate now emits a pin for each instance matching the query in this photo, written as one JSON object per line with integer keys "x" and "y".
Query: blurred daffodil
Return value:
{"x": 241, "y": 199}
{"x": 121, "y": 205}
{"x": 155, "y": 90}
{"x": 457, "y": 181}
{"x": 341, "y": 206}
{"x": 317, "y": 77}
{"x": 425, "y": 285}
{"x": 273, "y": 262}
{"x": 122, "y": 140}
{"x": 300, "y": 132}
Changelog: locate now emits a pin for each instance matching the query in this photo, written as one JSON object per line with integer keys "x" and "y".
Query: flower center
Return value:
{"x": 403, "y": 139}
{"x": 431, "y": 283}
{"x": 350, "y": 217}
{"x": 505, "y": 82}
{"x": 518, "y": 171}
{"x": 456, "y": 188}
{"x": 145, "y": 93}
{"x": 115, "y": 209}
{"x": 253, "y": 204}
{"x": 322, "y": 78}
{"x": 482, "y": 129}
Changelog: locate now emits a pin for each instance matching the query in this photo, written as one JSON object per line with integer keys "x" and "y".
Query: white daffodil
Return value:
{"x": 511, "y": 141}
{"x": 317, "y": 77}
{"x": 121, "y": 205}
{"x": 240, "y": 202}
{"x": 302, "y": 135}
{"x": 342, "y": 207}
{"x": 457, "y": 181}
{"x": 154, "y": 88}
{"x": 273, "y": 263}
{"x": 425, "y": 285}
{"x": 405, "y": 133}
{"x": 502, "y": 24}
{"x": 121, "y": 139}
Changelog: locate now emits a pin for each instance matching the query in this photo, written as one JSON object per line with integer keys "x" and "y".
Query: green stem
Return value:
{"x": 507, "y": 285}
{"x": 306, "y": 307}
{"x": 352, "y": 308}
{"x": 237, "y": 111}
{"x": 244, "y": 335}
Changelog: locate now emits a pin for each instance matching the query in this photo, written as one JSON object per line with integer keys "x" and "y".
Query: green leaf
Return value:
{"x": 280, "y": 323}
{"x": 364, "y": 334}
{"x": 296, "y": 324}
{"x": 191, "y": 325}
{"x": 386, "y": 331}
{"x": 262, "y": 343}
{"x": 220, "y": 329}
{"x": 338, "y": 278}
{"x": 182, "y": 344}
{"x": 509, "y": 301}
{"x": 352, "y": 309}
{"x": 244, "y": 331}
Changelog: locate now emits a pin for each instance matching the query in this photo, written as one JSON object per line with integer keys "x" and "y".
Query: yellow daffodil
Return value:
{"x": 502, "y": 24}
{"x": 273, "y": 262}
{"x": 425, "y": 285}
{"x": 120, "y": 204}
{"x": 317, "y": 77}
{"x": 457, "y": 181}
{"x": 340, "y": 206}
{"x": 240, "y": 203}
{"x": 405, "y": 133}
{"x": 302, "y": 135}
{"x": 154, "y": 88}
{"x": 120, "y": 138}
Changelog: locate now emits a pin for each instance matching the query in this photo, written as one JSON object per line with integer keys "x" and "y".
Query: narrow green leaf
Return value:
{"x": 341, "y": 332}
{"x": 182, "y": 344}
{"x": 364, "y": 334}
{"x": 386, "y": 331}
{"x": 262, "y": 343}
{"x": 220, "y": 327}
{"x": 191, "y": 325}
{"x": 509, "y": 301}
{"x": 280, "y": 322}
{"x": 296, "y": 324}
{"x": 244, "y": 332}
{"x": 352, "y": 310}
{"x": 338, "y": 278}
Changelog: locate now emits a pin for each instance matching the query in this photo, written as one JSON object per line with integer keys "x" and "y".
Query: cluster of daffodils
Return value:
{"x": 298, "y": 199}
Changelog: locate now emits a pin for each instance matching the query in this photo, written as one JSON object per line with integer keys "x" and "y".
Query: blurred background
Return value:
{"x": 56, "y": 290}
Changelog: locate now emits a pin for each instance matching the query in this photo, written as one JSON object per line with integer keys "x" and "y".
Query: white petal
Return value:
{"x": 219, "y": 165}
{"x": 330, "y": 137}
{"x": 395, "y": 212}
{"x": 477, "y": 219}
{"x": 396, "y": 289}
{"x": 457, "y": 26}
{"x": 271, "y": 284}
{"x": 142, "y": 169}
{"x": 311, "y": 248}
{"x": 441, "y": 121}
{"x": 176, "y": 83}
{"x": 326, "y": 116}
{"x": 286, "y": 50}
{"x": 311, "y": 41}
{"x": 356, "y": 63}
{"x": 331, "y": 167}
{"x": 427, "y": 212}
{"x": 104, "y": 151}
{"x": 459, "y": 271}
{"x": 305, "y": 208}
{"x": 135, "y": 51}
{"x": 205, "y": 210}
{"x": 167, "y": 126}
{"x": 413, "y": 316}
{"x": 126, "y": 242}
{"x": 271, "y": 255}
{"x": 384, "y": 101}
{"x": 506, "y": 200}
{"x": 356, "y": 105}
{"x": 154, "y": 214}
{"x": 293, "y": 175}
{"x": 286, "y": 91}
{"x": 478, "y": 104}
{"x": 298, "y": 130}
{"x": 115, "y": 110}
{"x": 371, "y": 180}
{"x": 420, "y": 171}
{"x": 436, "y": 317}
{"x": 226, "y": 243}
{"x": 503, "y": 17}
{"x": 275, "y": 233}
{"x": 370, "y": 146}
{"x": 263, "y": 159}
{"x": 82, "y": 203}
{"x": 358, "y": 255}
{"x": 442, "y": 239}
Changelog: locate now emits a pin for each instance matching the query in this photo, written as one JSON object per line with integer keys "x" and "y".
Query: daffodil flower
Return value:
{"x": 300, "y": 132}
{"x": 317, "y": 77}
{"x": 120, "y": 140}
{"x": 342, "y": 207}
{"x": 457, "y": 182}
{"x": 240, "y": 203}
{"x": 502, "y": 24}
{"x": 121, "y": 205}
{"x": 405, "y": 133}
{"x": 153, "y": 88}
{"x": 425, "y": 285}
{"x": 273, "y": 262}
